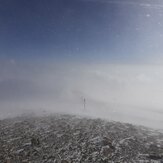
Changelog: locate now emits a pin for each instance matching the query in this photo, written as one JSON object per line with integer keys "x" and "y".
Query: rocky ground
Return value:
{"x": 72, "y": 139}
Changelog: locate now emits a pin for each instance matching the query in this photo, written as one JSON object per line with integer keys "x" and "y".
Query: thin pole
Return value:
{"x": 84, "y": 103}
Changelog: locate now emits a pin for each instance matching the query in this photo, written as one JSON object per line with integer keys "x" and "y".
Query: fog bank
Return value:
{"x": 123, "y": 92}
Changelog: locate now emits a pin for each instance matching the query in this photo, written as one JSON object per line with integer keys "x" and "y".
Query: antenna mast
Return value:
{"x": 84, "y": 102}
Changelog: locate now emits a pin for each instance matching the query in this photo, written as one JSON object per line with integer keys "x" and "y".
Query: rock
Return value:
{"x": 155, "y": 157}
{"x": 8, "y": 160}
{"x": 106, "y": 150}
{"x": 35, "y": 141}
{"x": 64, "y": 161}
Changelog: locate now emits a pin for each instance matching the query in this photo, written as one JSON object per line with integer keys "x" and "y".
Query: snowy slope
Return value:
{"x": 72, "y": 139}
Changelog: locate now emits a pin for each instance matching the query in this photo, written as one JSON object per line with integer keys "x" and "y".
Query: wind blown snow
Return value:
{"x": 123, "y": 92}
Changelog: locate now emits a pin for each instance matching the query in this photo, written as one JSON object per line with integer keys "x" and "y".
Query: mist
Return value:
{"x": 122, "y": 92}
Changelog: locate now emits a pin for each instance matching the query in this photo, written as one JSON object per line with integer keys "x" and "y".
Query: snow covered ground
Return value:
{"x": 75, "y": 139}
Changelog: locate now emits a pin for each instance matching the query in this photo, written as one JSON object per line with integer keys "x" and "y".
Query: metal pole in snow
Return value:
{"x": 84, "y": 103}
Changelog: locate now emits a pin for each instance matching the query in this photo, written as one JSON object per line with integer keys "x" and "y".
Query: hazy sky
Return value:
{"x": 54, "y": 53}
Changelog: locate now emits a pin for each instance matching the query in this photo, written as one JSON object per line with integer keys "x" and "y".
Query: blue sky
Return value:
{"x": 119, "y": 31}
